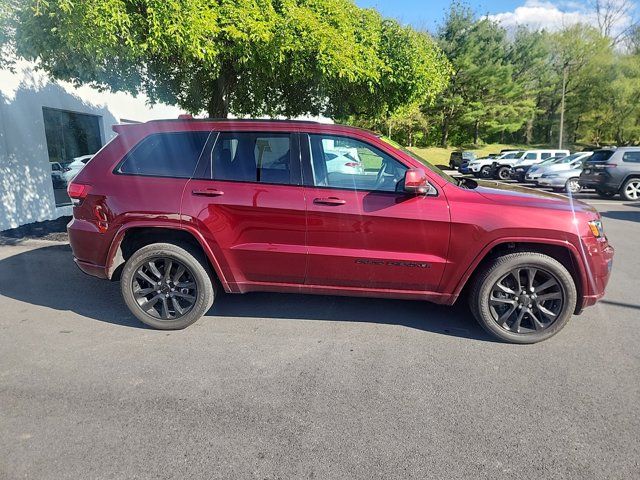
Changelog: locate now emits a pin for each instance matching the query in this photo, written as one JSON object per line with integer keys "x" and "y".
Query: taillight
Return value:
{"x": 77, "y": 192}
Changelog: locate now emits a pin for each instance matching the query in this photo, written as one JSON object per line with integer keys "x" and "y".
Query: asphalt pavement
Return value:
{"x": 273, "y": 386}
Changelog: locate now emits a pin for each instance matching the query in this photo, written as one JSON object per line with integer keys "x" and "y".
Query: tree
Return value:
{"x": 483, "y": 95}
{"x": 247, "y": 57}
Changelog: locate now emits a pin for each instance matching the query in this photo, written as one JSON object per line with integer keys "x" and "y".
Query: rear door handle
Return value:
{"x": 208, "y": 192}
{"x": 332, "y": 201}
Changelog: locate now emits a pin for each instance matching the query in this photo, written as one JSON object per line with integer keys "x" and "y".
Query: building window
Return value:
{"x": 72, "y": 138}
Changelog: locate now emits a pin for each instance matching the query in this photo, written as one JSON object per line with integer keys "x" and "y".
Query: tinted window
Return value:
{"x": 545, "y": 155}
{"x": 530, "y": 156}
{"x": 252, "y": 157}
{"x": 343, "y": 162}
{"x": 600, "y": 156}
{"x": 631, "y": 157}
{"x": 172, "y": 154}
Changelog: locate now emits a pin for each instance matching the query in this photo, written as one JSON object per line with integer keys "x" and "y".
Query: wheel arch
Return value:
{"x": 564, "y": 252}
{"x": 627, "y": 178}
{"x": 133, "y": 237}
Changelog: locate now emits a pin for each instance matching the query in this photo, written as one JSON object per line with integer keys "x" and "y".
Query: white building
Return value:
{"x": 42, "y": 121}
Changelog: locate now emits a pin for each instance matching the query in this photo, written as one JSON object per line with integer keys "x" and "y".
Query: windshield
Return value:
{"x": 414, "y": 155}
{"x": 433, "y": 168}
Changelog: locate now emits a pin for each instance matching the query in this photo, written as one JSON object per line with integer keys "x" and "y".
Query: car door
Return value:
{"x": 248, "y": 202}
{"x": 363, "y": 231}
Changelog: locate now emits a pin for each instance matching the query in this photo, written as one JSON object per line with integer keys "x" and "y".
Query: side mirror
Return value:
{"x": 416, "y": 183}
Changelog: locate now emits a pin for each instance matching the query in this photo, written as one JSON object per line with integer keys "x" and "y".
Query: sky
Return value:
{"x": 550, "y": 14}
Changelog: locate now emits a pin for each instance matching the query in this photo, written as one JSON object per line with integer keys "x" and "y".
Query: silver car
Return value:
{"x": 559, "y": 180}
{"x": 556, "y": 164}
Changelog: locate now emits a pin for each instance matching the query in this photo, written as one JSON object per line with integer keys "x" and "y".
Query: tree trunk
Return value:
{"x": 218, "y": 105}
{"x": 444, "y": 139}
{"x": 476, "y": 132}
{"x": 528, "y": 133}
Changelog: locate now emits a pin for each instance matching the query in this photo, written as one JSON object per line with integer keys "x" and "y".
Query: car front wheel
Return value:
{"x": 485, "y": 172}
{"x": 167, "y": 286}
{"x": 523, "y": 297}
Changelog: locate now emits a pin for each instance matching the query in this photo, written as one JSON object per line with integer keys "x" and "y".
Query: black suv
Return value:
{"x": 612, "y": 171}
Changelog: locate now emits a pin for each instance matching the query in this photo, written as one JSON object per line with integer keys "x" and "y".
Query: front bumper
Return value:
{"x": 554, "y": 182}
{"x": 598, "y": 261}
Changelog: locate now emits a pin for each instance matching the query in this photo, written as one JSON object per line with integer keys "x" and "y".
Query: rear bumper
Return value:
{"x": 601, "y": 181}
{"x": 98, "y": 271}
{"x": 89, "y": 247}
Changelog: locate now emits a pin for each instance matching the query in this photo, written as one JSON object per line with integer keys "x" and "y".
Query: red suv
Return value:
{"x": 176, "y": 208}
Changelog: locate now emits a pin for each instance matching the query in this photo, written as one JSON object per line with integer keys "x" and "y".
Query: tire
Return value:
{"x": 485, "y": 172}
{"x": 196, "y": 283}
{"x": 503, "y": 173}
{"x": 605, "y": 194}
{"x": 488, "y": 313}
{"x": 630, "y": 191}
{"x": 572, "y": 186}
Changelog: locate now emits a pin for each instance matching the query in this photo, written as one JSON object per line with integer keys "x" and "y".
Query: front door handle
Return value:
{"x": 207, "y": 192}
{"x": 332, "y": 201}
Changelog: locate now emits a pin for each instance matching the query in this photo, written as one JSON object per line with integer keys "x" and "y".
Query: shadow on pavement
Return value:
{"x": 628, "y": 215}
{"x": 621, "y": 304}
{"x": 48, "y": 277}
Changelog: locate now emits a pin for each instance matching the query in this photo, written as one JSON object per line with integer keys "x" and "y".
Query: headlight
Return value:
{"x": 596, "y": 228}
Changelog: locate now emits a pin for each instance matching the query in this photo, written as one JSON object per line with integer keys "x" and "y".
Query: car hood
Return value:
{"x": 503, "y": 193}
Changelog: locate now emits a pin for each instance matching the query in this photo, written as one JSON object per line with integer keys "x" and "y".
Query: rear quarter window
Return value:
{"x": 172, "y": 154}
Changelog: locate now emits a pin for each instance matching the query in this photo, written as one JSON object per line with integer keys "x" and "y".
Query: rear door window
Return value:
{"x": 253, "y": 157}
{"x": 633, "y": 157}
{"x": 172, "y": 154}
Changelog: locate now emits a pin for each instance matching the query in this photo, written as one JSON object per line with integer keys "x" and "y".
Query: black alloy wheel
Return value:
{"x": 164, "y": 288}
{"x": 526, "y": 300}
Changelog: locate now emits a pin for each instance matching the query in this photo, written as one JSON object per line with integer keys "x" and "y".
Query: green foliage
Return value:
{"x": 249, "y": 57}
{"x": 508, "y": 88}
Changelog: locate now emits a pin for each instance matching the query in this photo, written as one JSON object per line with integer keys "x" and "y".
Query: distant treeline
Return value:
{"x": 507, "y": 87}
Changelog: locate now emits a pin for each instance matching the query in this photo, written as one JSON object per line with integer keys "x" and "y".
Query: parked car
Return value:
{"x": 456, "y": 158}
{"x": 57, "y": 175}
{"x": 555, "y": 165}
{"x": 613, "y": 171}
{"x": 74, "y": 167}
{"x": 532, "y": 157}
{"x": 481, "y": 167}
{"x": 174, "y": 208}
{"x": 560, "y": 180}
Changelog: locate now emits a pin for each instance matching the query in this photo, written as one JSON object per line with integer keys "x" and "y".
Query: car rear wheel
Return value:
{"x": 167, "y": 286}
{"x": 631, "y": 189}
{"x": 504, "y": 173}
{"x": 572, "y": 186}
{"x": 523, "y": 297}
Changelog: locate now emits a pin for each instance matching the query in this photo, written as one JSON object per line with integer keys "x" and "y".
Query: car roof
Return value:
{"x": 227, "y": 124}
